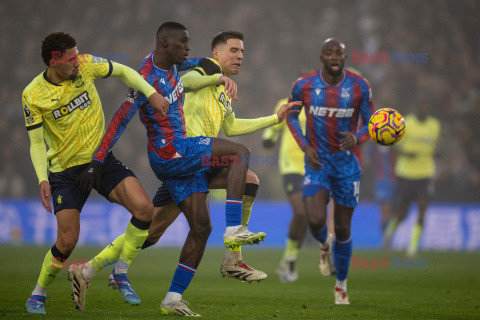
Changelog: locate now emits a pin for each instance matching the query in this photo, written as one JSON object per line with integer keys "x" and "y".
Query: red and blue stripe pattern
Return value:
{"x": 160, "y": 130}
{"x": 330, "y": 110}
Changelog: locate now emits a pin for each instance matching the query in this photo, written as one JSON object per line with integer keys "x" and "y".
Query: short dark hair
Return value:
{"x": 223, "y": 36}
{"x": 56, "y": 42}
{"x": 167, "y": 26}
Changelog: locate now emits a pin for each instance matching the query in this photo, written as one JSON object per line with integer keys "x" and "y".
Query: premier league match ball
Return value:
{"x": 386, "y": 126}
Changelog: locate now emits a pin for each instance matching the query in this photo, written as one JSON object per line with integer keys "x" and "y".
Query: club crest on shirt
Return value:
{"x": 317, "y": 91}
{"x": 345, "y": 93}
{"x": 132, "y": 95}
{"x": 78, "y": 82}
{"x": 81, "y": 102}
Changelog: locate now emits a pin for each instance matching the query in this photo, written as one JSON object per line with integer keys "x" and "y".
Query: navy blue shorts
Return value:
{"x": 67, "y": 195}
{"x": 292, "y": 183}
{"x": 163, "y": 197}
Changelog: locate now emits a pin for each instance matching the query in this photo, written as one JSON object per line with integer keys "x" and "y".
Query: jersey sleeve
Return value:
{"x": 189, "y": 64}
{"x": 96, "y": 66}
{"x": 118, "y": 124}
{"x": 196, "y": 79}
{"x": 292, "y": 119}
{"x": 235, "y": 127}
{"x": 32, "y": 114}
{"x": 366, "y": 111}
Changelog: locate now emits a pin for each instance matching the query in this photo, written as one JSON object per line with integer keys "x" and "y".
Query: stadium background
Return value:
{"x": 282, "y": 38}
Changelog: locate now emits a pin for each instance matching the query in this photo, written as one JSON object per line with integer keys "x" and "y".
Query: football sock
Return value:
{"x": 291, "y": 249}
{"x": 321, "y": 236}
{"x": 341, "y": 284}
{"x": 232, "y": 257}
{"x": 342, "y": 253}
{"x": 416, "y": 233}
{"x": 233, "y": 212}
{"x": 52, "y": 264}
{"x": 181, "y": 280}
{"x": 39, "y": 291}
{"x": 109, "y": 255}
{"x": 248, "y": 198}
{"x": 392, "y": 225}
{"x": 137, "y": 232}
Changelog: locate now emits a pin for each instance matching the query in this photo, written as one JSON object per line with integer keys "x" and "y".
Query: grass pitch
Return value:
{"x": 448, "y": 288}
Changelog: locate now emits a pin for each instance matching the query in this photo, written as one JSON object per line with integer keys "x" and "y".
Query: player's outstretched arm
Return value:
{"x": 236, "y": 127}
{"x": 270, "y": 135}
{"x": 134, "y": 80}
{"x": 38, "y": 153}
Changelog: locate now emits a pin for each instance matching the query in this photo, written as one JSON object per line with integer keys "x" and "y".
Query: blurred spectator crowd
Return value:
{"x": 282, "y": 38}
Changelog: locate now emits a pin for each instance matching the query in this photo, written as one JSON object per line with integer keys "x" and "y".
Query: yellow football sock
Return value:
{"x": 391, "y": 227}
{"x": 415, "y": 238}
{"x": 50, "y": 268}
{"x": 109, "y": 255}
{"x": 247, "y": 209}
{"x": 291, "y": 248}
{"x": 134, "y": 239}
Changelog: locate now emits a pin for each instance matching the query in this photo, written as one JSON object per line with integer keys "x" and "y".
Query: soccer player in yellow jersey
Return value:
{"x": 415, "y": 169}
{"x": 62, "y": 106}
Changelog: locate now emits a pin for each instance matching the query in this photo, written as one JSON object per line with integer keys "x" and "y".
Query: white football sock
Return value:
{"x": 39, "y": 291}
{"x": 121, "y": 267}
{"x": 232, "y": 257}
{"x": 172, "y": 296}
{"x": 87, "y": 271}
{"x": 342, "y": 284}
{"x": 232, "y": 229}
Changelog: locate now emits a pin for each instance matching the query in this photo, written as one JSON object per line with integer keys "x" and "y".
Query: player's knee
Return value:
{"x": 252, "y": 178}
{"x": 202, "y": 230}
{"x": 316, "y": 222}
{"x": 67, "y": 244}
{"x": 144, "y": 211}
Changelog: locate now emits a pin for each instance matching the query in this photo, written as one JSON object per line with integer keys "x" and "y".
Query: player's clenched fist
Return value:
{"x": 287, "y": 109}
{"x": 159, "y": 103}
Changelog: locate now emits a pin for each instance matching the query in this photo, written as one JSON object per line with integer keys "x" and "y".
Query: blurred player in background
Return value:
{"x": 62, "y": 105}
{"x": 415, "y": 169}
{"x": 334, "y": 100}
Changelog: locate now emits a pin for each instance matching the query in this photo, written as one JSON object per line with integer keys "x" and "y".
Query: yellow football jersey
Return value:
{"x": 421, "y": 138}
{"x": 291, "y": 157}
{"x": 205, "y": 109}
{"x": 71, "y": 113}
